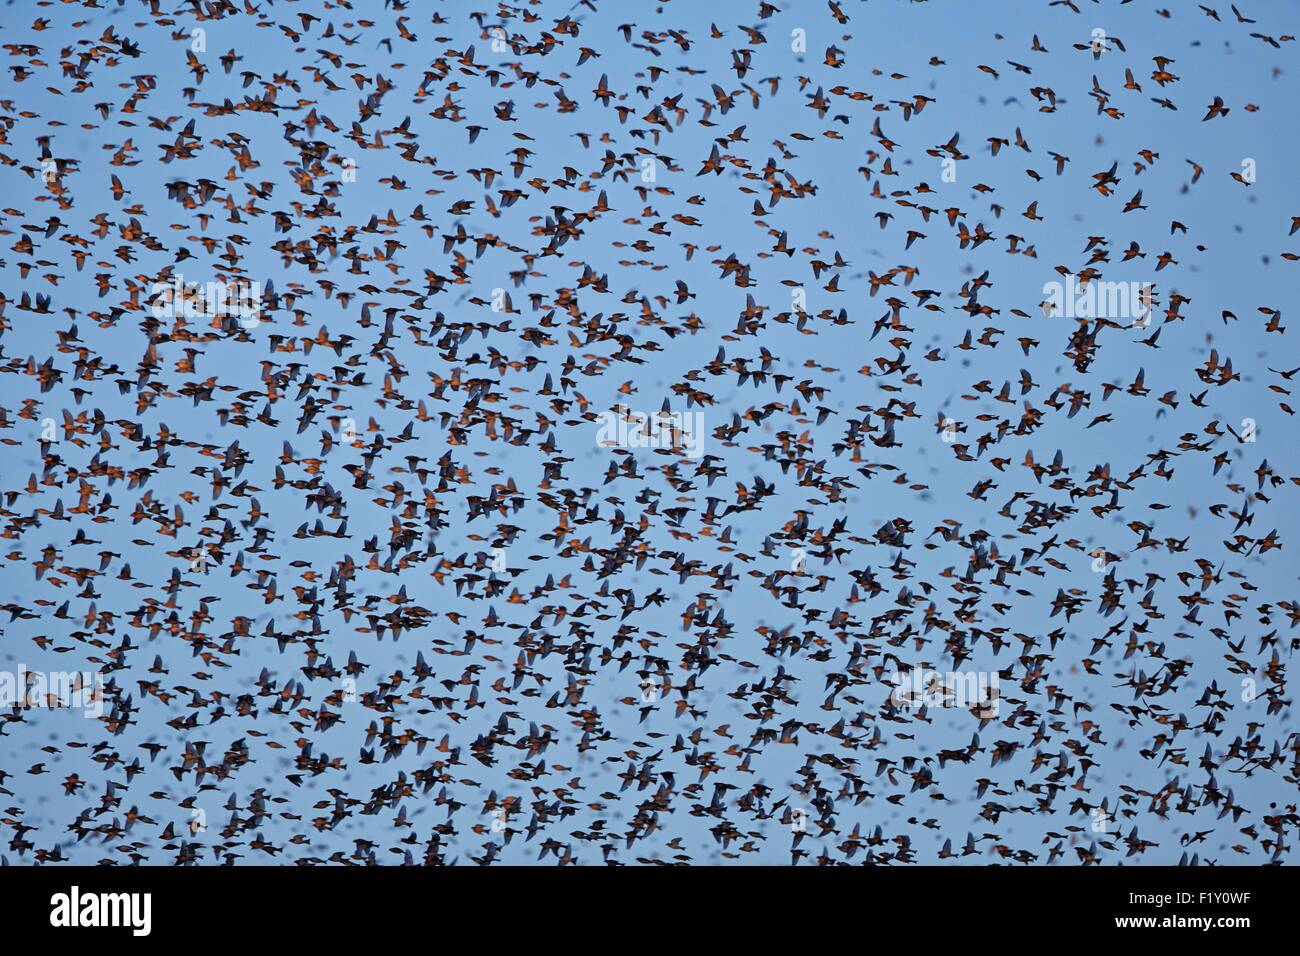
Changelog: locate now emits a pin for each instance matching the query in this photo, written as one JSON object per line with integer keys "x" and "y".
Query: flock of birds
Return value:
{"x": 358, "y": 581}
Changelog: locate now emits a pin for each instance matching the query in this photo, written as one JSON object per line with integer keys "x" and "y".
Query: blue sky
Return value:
{"x": 1229, "y": 258}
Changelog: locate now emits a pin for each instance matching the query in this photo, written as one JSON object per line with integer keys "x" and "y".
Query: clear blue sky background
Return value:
{"x": 1243, "y": 231}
